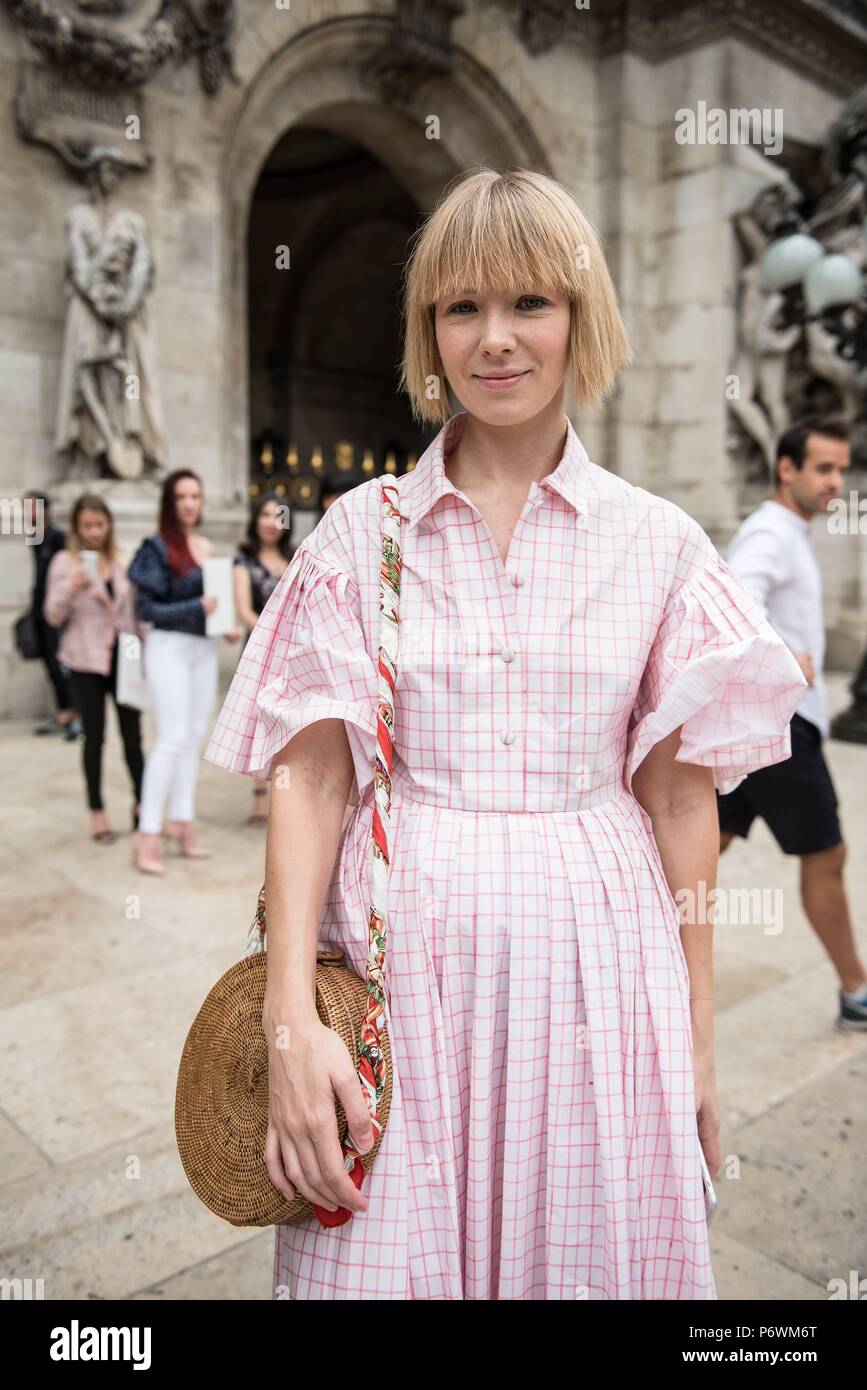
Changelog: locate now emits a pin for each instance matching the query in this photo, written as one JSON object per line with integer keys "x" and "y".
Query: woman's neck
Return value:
{"x": 488, "y": 458}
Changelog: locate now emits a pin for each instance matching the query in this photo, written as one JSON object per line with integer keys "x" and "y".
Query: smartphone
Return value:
{"x": 710, "y": 1201}
{"x": 90, "y": 564}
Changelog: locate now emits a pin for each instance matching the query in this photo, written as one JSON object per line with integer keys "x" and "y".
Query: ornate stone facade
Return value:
{"x": 110, "y": 44}
{"x": 279, "y": 158}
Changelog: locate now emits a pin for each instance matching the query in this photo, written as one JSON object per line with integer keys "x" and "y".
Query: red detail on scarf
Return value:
{"x": 342, "y": 1214}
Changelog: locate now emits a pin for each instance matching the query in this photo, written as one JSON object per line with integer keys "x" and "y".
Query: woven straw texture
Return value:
{"x": 221, "y": 1101}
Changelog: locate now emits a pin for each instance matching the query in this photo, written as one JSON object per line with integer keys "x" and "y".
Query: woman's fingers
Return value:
{"x": 709, "y": 1137}
{"x": 312, "y": 1183}
{"x": 332, "y": 1167}
{"x": 292, "y": 1169}
{"x": 352, "y": 1098}
{"x": 274, "y": 1163}
{"x": 289, "y": 1174}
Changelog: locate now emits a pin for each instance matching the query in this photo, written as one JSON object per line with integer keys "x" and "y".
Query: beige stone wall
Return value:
{"x": 604, "y": 128}
{"x": 667, "y": 218}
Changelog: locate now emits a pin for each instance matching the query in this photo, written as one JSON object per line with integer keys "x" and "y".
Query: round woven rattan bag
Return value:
{"x": 221, "y": 1102}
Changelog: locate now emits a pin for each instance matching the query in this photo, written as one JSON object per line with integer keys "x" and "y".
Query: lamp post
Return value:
{"x": 820, "y": 286}
{"x": 825, "y": 287}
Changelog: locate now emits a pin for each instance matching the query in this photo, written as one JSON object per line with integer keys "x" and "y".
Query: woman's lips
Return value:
{"x": 501, "y": 383}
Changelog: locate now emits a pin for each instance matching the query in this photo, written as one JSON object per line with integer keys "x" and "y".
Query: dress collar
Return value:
{"x": 427, "y": 482}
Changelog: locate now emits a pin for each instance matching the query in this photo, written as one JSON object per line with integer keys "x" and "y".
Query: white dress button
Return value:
{"x": 507, "y": 654}
{"x": 507, "y": 736}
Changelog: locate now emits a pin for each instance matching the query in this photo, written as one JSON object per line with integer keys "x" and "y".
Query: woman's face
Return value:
{"x": 188, "y": 501}
{"x": 504, "y": 354}
{"x": 92, "y": 528}
{"x": 268, "y": 524}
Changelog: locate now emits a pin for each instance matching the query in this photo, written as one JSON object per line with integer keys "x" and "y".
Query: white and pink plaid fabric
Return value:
{"x": 542, "y": 1139}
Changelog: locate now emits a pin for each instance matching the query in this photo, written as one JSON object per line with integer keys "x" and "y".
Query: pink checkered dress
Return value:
{"x": 542, "y": 1139}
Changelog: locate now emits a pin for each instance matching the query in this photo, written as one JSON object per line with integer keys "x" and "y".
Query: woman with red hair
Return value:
{"x": 180, "y": 666}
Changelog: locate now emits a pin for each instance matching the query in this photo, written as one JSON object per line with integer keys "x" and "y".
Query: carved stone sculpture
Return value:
{"x": 765, "y": 338}
{"x": 99, "y": 42}
{"x": 109, "y": 407}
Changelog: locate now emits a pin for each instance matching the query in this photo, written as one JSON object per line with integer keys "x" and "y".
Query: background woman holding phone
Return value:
{"x": 88, "y": 593}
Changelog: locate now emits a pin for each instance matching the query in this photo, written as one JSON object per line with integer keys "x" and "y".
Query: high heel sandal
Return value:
{"x": 156, "y": 866}
{"x": 196, "y": 852}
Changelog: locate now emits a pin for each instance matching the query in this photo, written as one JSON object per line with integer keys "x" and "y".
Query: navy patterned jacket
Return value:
{"x": 161, "y": 597}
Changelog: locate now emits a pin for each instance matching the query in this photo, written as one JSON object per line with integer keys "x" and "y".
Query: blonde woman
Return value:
{"x": 94, "y": 608}
{"x": 578, "y": 670}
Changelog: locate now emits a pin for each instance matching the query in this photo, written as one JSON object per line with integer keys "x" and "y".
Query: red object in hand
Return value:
{"x": 342, "y": 1214}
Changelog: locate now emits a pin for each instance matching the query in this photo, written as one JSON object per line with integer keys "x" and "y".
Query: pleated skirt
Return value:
{"x": 542, "y": 1139}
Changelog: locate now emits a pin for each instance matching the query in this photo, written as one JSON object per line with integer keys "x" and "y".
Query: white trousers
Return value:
{"x": 181, "y": 672}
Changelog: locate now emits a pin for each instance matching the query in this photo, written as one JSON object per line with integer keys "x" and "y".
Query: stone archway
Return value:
{"x": 317, "y": 80}
{"x": 324, "y": 311}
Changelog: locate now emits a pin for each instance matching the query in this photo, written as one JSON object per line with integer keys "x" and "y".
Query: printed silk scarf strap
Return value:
{"x": 371, "y": 1063}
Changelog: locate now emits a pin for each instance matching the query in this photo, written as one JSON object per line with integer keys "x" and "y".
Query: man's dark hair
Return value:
{"x": 793, "y": 442}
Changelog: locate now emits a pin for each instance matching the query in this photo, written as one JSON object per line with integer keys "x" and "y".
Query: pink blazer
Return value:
{"x": 91, "y": 616}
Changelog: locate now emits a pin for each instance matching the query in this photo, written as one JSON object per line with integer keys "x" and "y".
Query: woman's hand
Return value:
{"x": 232, "y": 636}
{"x": 707, "y": 1104}
{"x": 80, "y": 578}
{"x": 309, "y": 1067}
{"x": 209, "y": 602}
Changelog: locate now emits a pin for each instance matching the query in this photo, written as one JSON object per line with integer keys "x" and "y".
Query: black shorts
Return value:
{"x": 796, "y": 798}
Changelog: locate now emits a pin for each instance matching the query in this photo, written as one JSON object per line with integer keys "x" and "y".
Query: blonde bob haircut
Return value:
{"x": 510, "y": 232}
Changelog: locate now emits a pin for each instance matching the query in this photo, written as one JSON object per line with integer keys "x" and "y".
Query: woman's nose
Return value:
{"x": 496, "y": 333}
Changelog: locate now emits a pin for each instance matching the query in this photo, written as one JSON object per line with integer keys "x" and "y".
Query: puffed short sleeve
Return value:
{"x": 305, "y": 660}
{"x": 718, "y": 668}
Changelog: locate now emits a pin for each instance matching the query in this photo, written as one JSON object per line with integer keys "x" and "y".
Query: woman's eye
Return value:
{"x": 528, "y": 301}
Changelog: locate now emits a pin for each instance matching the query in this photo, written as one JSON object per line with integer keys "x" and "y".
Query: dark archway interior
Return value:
{"x": 324, "y": 333}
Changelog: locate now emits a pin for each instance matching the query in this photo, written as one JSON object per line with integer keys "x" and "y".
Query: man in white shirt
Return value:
{"x": 772, "y": 554}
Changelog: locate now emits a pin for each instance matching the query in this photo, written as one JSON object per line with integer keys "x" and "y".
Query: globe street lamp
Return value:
{"x": 828, "y": 287}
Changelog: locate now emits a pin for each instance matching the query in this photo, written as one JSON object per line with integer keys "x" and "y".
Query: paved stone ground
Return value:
{"x": 95, "y": 1002}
